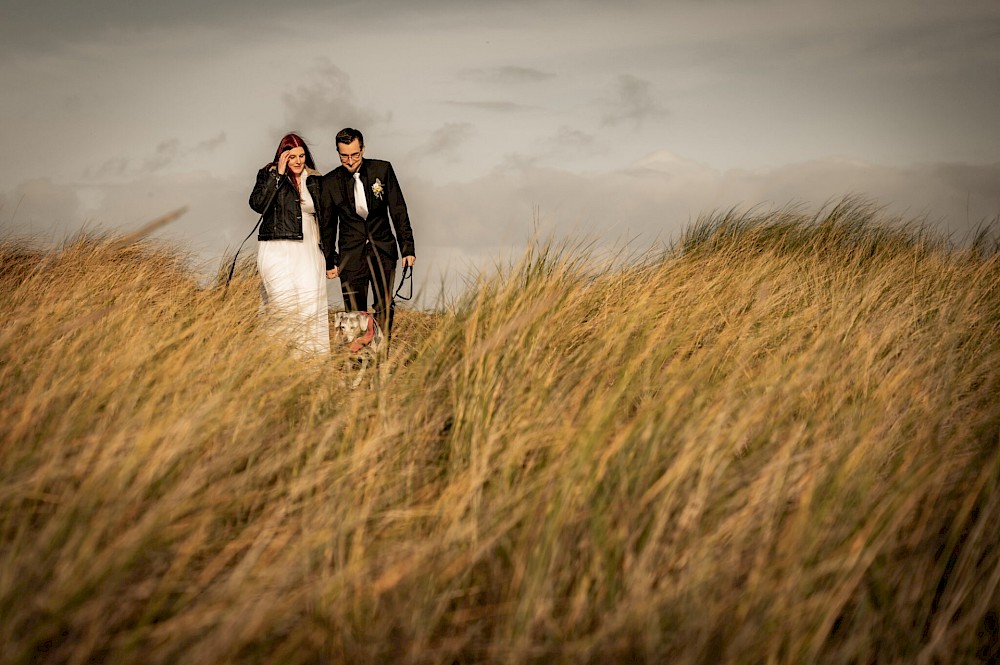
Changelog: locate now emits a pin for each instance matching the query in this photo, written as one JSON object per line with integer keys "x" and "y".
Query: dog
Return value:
{"x": 362, "y": 336}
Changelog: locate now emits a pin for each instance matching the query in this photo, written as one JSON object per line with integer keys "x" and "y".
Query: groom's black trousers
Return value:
{"x": 378, "y": 273}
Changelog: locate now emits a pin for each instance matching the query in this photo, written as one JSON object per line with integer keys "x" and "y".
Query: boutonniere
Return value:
{"x": 377, "y": 188}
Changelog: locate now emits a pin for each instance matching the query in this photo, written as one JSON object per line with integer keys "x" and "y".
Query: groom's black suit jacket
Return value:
{"x": 385, "y": 203}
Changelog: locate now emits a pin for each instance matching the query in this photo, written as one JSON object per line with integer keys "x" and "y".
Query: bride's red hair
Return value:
{"x": 289, "y": 141}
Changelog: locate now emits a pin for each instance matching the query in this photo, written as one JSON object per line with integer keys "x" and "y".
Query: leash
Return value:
{"x": 407, "y": 275}
{"x": 232, "y": 268}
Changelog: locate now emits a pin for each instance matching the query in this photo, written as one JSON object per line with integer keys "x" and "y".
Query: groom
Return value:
{"x": 366, "y": 196}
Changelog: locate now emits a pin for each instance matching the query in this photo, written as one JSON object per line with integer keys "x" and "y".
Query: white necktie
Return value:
{"x": 360, "y": 204}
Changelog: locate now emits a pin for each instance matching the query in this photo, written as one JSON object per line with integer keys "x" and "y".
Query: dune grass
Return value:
{"x": 777, "y": 441}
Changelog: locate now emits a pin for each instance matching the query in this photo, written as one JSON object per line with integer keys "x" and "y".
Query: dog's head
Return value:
{"x": 350, "y": 325}
{"x": 357, "y": 330}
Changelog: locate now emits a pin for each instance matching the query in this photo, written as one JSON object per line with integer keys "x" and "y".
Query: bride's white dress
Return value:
{"x": 293, "y": 273}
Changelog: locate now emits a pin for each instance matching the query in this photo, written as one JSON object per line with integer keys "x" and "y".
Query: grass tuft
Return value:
{"x": 779, "y": 441}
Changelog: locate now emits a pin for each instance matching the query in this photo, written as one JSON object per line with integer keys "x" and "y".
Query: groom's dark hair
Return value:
{"x": 348, "y": 134}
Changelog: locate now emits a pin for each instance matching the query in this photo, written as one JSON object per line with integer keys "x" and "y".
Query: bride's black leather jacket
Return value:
{"x": 275, "y": 197}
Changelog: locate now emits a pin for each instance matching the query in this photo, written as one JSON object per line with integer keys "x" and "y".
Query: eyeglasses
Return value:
{"x": 353, "y": 157}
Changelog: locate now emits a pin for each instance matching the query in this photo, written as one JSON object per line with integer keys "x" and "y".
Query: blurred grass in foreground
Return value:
{"x": 777, "y": 442}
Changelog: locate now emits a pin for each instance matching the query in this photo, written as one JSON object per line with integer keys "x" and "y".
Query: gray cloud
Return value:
{"x": 210, "y": 144}
{"x": 44, "y": 23}
{"x": 811, "y": 42}
{"x": 166, "y": 153}
{"x": 945, "y": 37}
{"x": 445, "y": 140}
{"x": 115, "y": 167}
{"x": 41, "y": 206}
{"x": 501, "y": 107}
{"x": 569, "y": 139}
{"x": 505, "y": 75}
{"x": 633, "y": 103}
{"x": 979, "y": 182}
{"x": 327, "y": 103}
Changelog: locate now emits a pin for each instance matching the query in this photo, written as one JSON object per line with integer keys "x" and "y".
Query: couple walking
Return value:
{"x": 316, "y": 227}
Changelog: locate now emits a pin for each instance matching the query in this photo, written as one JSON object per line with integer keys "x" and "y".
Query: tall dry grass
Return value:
{"x": 779, "y": 441}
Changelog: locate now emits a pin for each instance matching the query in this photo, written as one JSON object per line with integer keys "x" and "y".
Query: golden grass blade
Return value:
{"x": 149, "y": 228}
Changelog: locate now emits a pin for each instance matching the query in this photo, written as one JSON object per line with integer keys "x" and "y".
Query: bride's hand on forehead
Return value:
{"x": 283, "y": 161}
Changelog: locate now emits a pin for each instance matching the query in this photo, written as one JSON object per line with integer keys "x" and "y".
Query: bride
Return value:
{"x": 290, "y": 254}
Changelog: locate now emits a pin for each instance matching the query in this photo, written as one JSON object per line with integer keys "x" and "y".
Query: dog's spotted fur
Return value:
{"x": 361, "y": 335}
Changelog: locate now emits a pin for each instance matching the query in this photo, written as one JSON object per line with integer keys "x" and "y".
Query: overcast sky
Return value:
{"x": 587, "y": 119}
